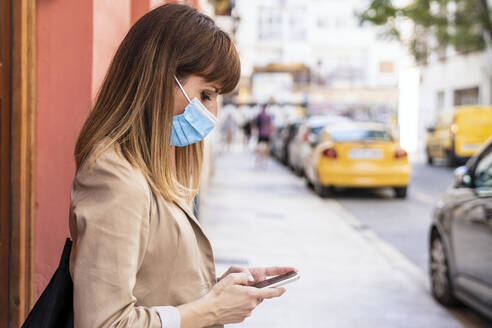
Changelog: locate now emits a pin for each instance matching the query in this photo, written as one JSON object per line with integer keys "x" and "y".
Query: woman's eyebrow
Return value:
{"x": 215, "y": 89}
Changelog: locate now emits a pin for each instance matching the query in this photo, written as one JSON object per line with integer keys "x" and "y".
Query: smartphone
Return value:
{"x": 279, "y": 280}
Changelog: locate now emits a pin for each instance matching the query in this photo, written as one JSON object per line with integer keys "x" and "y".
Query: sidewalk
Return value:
{"x": 349, "y": 277}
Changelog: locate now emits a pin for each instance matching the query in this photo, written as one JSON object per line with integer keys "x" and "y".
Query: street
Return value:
{"x": 404, "y": 223}
{"x": 362, "y": 255}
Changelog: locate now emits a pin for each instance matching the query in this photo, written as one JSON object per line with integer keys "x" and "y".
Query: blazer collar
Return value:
{"x": 189, "y": 213}
{"x": 191, "y": 216}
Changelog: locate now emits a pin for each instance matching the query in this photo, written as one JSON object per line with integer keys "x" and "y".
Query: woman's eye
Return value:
{"x": 205, "y": 96}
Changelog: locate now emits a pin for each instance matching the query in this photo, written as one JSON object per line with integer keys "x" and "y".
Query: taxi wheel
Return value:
{"x": 440, "y": 277}
{"x": 401, "y": 192}
{"x": 322, "y": 191}
{"x": 309, "y": 184}
{"x": 451, "y": 158}
{"x": 430, "y": 160}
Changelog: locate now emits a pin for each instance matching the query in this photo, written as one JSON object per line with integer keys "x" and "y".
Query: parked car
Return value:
{"x": 461, "y": 237}
{"x": 276, "y": 142}
{"x": 458, "y": 133}
{"x": 286, "y": 136}
{"x": 305, "y": 138}
{"x": 357, "y": 155}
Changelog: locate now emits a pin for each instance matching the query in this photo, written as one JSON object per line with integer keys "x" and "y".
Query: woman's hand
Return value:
{"x": 237, "y": 269}
{"x": 232, "y": 301}
{"x": 257, "y": 274}
{"x": 260, "y": 274}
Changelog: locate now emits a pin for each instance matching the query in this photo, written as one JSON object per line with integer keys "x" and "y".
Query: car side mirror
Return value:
{"x": 462, "y": 176}
{"x": 431, "y": 129}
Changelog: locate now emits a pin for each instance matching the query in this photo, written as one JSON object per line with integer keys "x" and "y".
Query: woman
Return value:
{"x": 140, "y": 257}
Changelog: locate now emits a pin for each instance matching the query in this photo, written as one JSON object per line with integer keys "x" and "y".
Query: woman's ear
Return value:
{"x": 180, "y": 101}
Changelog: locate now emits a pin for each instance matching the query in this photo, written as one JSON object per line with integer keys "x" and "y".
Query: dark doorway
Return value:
{"x": 470, "y": 96}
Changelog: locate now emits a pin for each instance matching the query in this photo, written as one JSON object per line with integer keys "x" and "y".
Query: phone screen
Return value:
{"x": 273, "y": 280}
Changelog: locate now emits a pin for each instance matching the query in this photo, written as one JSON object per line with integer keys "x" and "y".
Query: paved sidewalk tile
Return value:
{"x": 266, "y": 216}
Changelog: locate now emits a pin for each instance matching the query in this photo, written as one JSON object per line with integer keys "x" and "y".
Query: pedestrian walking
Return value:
{"x": 264, "y": 127}
{"x": 229, "y": 126}
{"x": 140, "y": 257}
{"x": 246, "y": 132}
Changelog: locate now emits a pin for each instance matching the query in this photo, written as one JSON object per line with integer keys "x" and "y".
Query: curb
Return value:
{"x": 390, "y": 253}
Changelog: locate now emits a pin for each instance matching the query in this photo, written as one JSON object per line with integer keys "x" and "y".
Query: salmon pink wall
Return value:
{"x": 138, "y": 9}
{"x": 64, "y": 63}
{"x": 76, "y": 41}
{"x": 155, "y": 3}
{"x": 111, "y": 23}
{"x": 192, "y": 3}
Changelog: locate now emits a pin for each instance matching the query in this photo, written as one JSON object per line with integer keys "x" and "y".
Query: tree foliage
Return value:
{"x": 464, "y": 25}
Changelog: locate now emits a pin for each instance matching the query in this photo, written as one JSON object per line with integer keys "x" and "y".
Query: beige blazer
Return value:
{"x": 132, "y": 249}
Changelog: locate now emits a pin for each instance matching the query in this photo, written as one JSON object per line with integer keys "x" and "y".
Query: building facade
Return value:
{"x": 449, "y": 78}
{"x": 443, "y": 83}
{"x": 460, "y": 79}
{"x": 352, "y": 69}
{"x": 325, "y": 35}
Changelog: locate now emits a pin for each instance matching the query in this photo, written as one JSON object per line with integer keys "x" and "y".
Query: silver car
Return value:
{"x": 306, "y": 138}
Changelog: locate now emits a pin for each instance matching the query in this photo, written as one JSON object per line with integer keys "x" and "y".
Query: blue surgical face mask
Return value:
{"x": 194, "y": 124}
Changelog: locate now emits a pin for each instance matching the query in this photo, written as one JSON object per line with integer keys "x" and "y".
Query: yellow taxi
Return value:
{"x": 358, "y": 155}
{"x": 458, "y": 133}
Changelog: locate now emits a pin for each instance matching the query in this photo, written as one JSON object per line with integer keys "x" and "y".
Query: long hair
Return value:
{"x": 134, "y": 106}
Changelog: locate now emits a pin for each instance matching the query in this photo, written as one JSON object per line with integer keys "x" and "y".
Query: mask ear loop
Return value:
{"x": 181, "y": 87}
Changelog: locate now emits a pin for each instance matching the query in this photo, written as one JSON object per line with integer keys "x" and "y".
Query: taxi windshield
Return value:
{"x": 360, "y": 135}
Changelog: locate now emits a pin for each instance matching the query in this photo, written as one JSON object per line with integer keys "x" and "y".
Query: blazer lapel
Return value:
{"x": 191, "y": 216}
{"x": 209, "y": 251}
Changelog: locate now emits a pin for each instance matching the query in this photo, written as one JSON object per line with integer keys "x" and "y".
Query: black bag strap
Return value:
{"x": 65, "y": 258}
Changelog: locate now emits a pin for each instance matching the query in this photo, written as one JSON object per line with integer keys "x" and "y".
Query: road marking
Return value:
{"x": 424, "y": 198}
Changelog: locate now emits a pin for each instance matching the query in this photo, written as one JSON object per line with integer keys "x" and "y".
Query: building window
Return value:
{"x": 340, "y": 22}
{"x": 323, "y": 22}
{"x": 270, "y": 22}
{"x": 297, "y": 24}
{"x": 468, "y": 96}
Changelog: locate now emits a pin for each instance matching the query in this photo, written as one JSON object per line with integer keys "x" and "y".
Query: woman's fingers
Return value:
{"x": 266, "y": 293}
{"x": 245, "y": 270}
{"x": 262, "y": 273}
{"x": 240, "y": 278}
{"x": 276, "y": 270}
{"x": 270, "y": 292}
{"x": 237, "y": 269}
{"x": 234, "y": 301}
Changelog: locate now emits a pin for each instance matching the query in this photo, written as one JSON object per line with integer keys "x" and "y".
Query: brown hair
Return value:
{"x": 134, "y": 106}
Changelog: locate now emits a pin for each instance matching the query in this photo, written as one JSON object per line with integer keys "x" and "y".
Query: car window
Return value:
{"x": 360, "y": 135}
{"x": 316, "y": 130}
{"x": 483, "y": 171}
